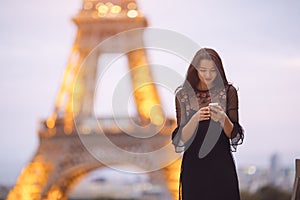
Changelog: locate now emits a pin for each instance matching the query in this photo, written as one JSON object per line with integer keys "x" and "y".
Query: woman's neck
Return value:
{"x": 203, "y": 86}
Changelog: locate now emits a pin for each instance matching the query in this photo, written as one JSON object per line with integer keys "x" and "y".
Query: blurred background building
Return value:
{"x": 254, "y": 177}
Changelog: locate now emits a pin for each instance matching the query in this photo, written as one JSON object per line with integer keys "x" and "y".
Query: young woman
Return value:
{"x": 207, "y": 134}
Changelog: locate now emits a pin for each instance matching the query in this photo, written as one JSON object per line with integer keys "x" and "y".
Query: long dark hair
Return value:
{"x": 192, "y": 79}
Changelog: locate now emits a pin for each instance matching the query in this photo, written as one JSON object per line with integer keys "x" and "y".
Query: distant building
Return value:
{"x": 252, "y": 177}
{"x": 275, "y": 167}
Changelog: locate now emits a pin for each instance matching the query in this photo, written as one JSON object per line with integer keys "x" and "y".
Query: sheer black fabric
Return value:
{"x": 237, "y": 134}
{"x": 214, "y": 176}
{"x": 184, "y": 113}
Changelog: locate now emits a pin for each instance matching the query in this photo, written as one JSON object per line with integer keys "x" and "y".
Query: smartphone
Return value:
{"x": 213, "y": 104}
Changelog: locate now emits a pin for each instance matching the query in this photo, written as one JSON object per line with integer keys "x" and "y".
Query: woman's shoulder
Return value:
{"x": 231, "y": 90}
{"x": 182, "y": 94}
{"x": 180, "y": 91}
{"x": 231, "y": 87}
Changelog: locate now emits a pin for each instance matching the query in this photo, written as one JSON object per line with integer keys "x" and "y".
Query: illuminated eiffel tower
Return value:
{"x": 61, "y": 159}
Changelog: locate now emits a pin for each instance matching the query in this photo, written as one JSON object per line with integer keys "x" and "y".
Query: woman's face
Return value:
{"x": 207, "y": 72}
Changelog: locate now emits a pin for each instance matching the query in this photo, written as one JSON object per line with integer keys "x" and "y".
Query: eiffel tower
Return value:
{"x": 70, "y": 147}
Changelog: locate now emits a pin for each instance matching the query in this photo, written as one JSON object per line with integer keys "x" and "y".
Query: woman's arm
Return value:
{"x": 228, "y": 121}
{"x": 186, "y": 125}
{"x": 189, "y": 129}
{"x": 218, "y": 115}
{"x": 227, "y": 125}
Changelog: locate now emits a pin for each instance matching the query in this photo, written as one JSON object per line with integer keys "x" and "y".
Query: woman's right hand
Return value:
{"x": 204, "y": 113}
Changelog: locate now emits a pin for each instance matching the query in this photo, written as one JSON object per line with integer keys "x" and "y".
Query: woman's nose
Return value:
{"x": 207, "y": 75}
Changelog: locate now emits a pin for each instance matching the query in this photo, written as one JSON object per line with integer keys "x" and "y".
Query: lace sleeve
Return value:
{"x": 237, "y": 134}
{"x": 181, "y": 118}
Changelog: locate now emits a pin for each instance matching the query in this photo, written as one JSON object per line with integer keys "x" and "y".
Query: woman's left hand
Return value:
{"x": 217, "y": 114}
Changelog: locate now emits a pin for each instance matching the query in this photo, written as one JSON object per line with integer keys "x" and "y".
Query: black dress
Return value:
{"x": 212, "y": 176}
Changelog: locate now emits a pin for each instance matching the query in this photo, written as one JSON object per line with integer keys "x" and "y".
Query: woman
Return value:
{"x": 207, "y": 134}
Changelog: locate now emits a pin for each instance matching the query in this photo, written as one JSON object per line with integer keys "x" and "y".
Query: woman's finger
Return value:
{"x": 219, "y": 108}
{"x": 205, "y": 108}
{"x": 204, "y": 118}
{"x": 204, "y": 111}
{"x": 205, "y": 114}
{"x": 214, "y": 110}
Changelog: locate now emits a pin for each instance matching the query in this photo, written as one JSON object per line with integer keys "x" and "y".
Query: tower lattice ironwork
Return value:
{"x": 61, "y": 159}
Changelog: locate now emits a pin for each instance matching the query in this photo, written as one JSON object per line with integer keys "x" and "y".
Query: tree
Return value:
{"x": 270, "y": 192}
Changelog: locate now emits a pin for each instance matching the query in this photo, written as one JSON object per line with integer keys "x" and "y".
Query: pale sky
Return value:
{"x": 257, "y": 40}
